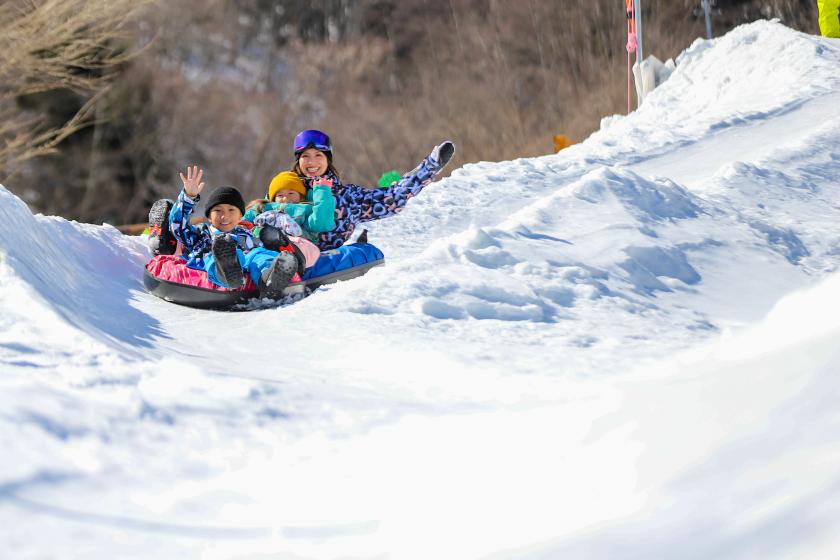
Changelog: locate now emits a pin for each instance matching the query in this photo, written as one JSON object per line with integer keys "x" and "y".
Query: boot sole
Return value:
{"x": 163, "y": 243}
{"x": 275, "y": 239}
{"x": 446, "y": 154}
{"x": 281, "y": 272}
{"x": 227, "y": 263}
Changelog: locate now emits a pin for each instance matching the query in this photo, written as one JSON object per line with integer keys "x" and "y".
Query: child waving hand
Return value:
{"x": 224, "y": 248}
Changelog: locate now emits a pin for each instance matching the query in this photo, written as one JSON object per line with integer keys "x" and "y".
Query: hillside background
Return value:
{"x": 227, "y": 83}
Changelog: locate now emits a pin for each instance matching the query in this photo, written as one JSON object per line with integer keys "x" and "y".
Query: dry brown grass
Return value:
{"x": 55, "y": 44}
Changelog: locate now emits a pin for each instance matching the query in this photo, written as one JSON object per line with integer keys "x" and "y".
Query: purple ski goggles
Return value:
{"x": 312, "y": 139}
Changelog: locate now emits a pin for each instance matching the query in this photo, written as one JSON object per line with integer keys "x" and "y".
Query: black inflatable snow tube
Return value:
{"x": 344, "y": 263}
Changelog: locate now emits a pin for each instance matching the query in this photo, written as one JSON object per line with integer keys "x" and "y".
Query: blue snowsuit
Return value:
{"x": 355, "y": 204}
{"x": 198, "y": 240}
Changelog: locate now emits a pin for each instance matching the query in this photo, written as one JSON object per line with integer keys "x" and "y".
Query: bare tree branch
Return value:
{"x": 48, "y": 45}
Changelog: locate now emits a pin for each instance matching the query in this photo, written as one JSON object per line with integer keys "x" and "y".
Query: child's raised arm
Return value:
{"x": 179, "y": 217}
{"x": 192, "y": 182}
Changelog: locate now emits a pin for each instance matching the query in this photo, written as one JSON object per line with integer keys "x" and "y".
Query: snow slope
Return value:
{"x": 624, "y": 350}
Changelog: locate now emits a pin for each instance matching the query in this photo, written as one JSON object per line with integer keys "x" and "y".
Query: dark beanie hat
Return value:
{"x": 224, "y": 195}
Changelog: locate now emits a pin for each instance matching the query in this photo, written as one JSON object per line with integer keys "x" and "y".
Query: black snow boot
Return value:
{"x": 274, "y": 239}
{"x": 275, "y": 279}
{"x": 443, "y": 153}
{"x": 161, "y": 240}
{"x": 228, "y": 268}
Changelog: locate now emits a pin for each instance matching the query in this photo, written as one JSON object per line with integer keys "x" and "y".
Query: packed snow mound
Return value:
{"x": 73, "y": 282}
{"x": 614, "y": 247}
{"x": 756, "y": 71}
{"x": 731, "y": 74}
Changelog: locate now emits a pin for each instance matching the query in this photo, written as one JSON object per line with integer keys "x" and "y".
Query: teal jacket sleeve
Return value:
{"x": 322, "y": 217}
{"x": 318, "y": 214}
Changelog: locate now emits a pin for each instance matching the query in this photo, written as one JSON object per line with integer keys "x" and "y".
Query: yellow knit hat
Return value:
{"x": 287, "y": 180}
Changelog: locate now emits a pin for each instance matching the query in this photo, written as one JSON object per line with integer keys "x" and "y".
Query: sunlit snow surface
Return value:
{"x": 625, "y": 350}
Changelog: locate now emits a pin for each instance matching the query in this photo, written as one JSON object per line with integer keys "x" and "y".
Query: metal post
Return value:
{"x": 638, "y": 6}
{"x": 707, "y": 9}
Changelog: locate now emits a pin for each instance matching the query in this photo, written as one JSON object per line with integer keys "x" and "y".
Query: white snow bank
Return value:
{"x": 53, "y": 286}
{"x": 737, "y": 451}
{"x": 755, "y": 72}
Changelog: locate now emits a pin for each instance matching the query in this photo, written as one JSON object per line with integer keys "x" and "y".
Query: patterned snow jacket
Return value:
{"x": 314, "y": 218}
{"x": 198, "y": 240}
{"x": 355, "y": 204}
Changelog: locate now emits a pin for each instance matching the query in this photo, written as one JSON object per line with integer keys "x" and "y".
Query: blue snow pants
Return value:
{"x": 254, "y": 263}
